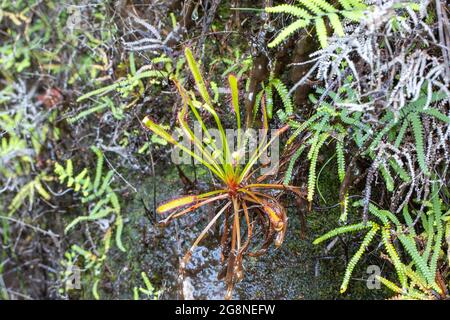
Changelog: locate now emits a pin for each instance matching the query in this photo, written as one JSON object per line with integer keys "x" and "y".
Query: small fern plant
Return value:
{"x": 314, "y": 12}
{"x": 267, "y": 92}
{"x": 327, "y": 125}
{"x": 395, "y": 126}
{"x": 97, "y": 193}
{"x": 102, "y": 202}
{"x": 422, "y": 248}
{"x": 134, "y": 81}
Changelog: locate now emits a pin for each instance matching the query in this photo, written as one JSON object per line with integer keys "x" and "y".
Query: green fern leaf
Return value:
{"x": 354, "y": 260}
{"x": 288, "y": 174}
{"x": 313, "y": 166}
{"x": 418, "y": 135}
{"x": 290, "y": 9}
{"x": 286, "y": 32}
{"x": 340, "y": 160}
{"x": 321, "y": 30}
{"x": 336, "y": 24}
{"x": 398, "y": 265}
{"x": 345, "y": 229}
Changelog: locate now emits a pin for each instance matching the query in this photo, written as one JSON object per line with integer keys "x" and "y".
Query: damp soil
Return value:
{"x": 296, "y": 270}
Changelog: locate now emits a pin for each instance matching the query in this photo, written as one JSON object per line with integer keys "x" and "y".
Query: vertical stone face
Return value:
{"x": 260, "y": 73}
{"x": 303, "y": 48}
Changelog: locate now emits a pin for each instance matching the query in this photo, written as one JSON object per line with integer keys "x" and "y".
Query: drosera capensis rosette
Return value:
{"x": 244, "y": 200}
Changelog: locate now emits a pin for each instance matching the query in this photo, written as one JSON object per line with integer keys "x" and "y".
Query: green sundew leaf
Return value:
{"x": 206, "y": 158}
{"x": 286, "y": 32}
{"x": 193, "y": 66}
{"x": 235, "y": 98}
{"x": 336, "y": 24}
{"x": 157, "y": 129}
{"x": 321, "y": 32}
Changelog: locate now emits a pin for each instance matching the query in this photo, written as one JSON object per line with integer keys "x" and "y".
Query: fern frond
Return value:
{"x": 400, "y": 171}
{"x": 98, "y": 215}
{"x": 354, "y": 260}
{"x": 439, "y": 228}
{"x": 390, "y": 285}
{"x": 336, "y": 24}
{"x": 286, "y": 32}
{"x": 387, "y": 177}
{"x": 290, "y": 9}
{"x": 283, "y": 92}
{"x": 401, "y": 134}
{"x": 312, "y": 6}
{"x": 436, "y": 114}
{"x": 340, "y": 160}
{"x": 410, "y": 247}
{"x": 321, "y": 30}
{"x": 313, "y": 166}
{"x": 98, "y": 168}
{"x": 345, "y": 229}
{"x": 288, "y": 174}
{"x": 398, "y": 265}
{"x": 417, "y": 129}
{"x": 300, "y": 128}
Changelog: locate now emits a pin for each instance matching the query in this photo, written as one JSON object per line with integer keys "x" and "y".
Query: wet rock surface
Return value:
{"x": 296, "y": 270}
